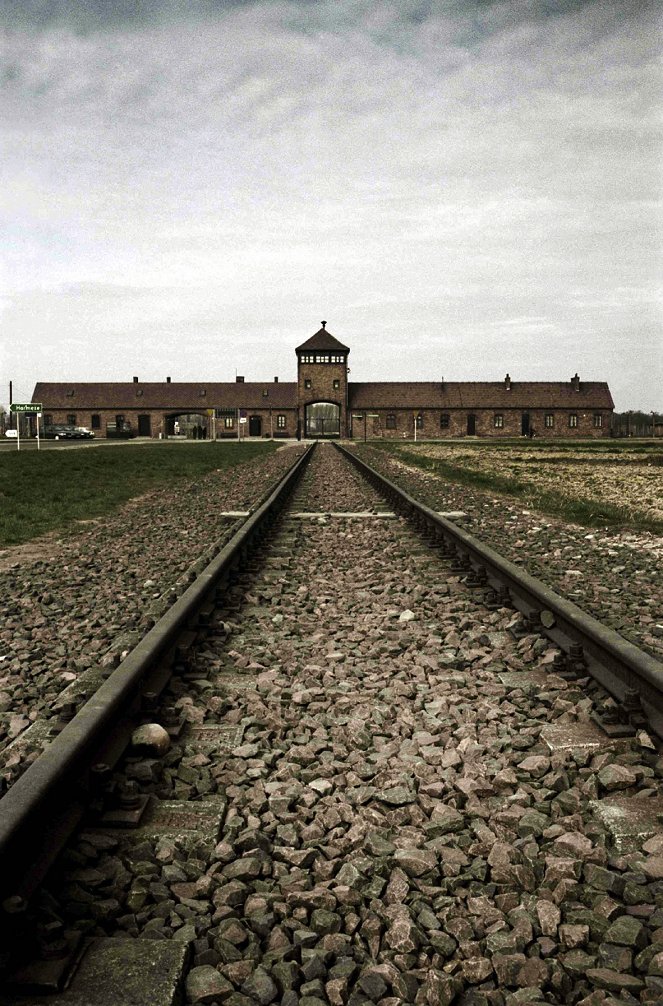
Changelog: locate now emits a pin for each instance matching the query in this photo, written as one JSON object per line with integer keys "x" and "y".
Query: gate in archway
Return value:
{"x": 323, "y": 419}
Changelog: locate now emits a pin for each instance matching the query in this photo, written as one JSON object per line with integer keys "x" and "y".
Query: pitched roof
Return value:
{"x": 323, "y": 340}
{"x": 190, "y": 396}
{"x": 478, "y": 395}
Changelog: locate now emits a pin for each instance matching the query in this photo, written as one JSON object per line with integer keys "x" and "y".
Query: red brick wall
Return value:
{"x": 158, "y": 421}
{"x": 322, "y": 377}
{"x": 485, "y": 424}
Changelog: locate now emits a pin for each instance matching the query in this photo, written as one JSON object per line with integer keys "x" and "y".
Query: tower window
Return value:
{"x": 307, "y": 383}
{"x": 337, "y": 385}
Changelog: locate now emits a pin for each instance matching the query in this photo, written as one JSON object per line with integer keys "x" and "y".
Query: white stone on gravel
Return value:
{"x": 151, "y": 738}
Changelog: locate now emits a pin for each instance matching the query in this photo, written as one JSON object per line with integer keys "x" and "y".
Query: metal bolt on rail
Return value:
{"x": 477, "y": 577}
{"x": 632, "y": 706}
{"x": 67, "y": 711}
{"x": 576, "y": 662}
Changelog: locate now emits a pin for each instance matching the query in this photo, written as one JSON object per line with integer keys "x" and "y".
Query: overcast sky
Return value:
{"x": 459, "y": 187}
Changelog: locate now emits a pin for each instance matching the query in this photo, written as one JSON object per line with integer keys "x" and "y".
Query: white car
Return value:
{"x": 11, "y": 433}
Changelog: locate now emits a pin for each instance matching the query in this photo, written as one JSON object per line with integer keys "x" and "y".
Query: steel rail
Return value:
{"x": 44, "y": 805}
{"x": 631, "y": 676}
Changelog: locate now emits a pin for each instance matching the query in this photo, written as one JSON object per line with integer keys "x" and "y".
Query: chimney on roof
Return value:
{"x": 238, "y": 379}
{"x": 167, "y": 380}
{"x": 135, "y": 380}
{"x": 575, "y": 382}
{"x": 507, "y": 383}
{"x": 276, "y": 380}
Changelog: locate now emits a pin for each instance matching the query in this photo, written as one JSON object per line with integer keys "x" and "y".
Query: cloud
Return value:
{"x": 413, "y": 167}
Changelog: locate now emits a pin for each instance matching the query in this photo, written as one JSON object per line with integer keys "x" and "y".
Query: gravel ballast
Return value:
{"x": 77, "y": 604}
{"x": 616, "y": 576}
{"x": 398, "y": 829}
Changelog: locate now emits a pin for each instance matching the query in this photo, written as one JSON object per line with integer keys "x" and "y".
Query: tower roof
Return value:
{"x": 323, "y": 340}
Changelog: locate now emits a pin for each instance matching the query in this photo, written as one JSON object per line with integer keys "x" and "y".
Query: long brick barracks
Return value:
{"x": 323, "y": 403}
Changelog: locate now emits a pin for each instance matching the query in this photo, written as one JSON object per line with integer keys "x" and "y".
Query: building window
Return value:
{"x": 48, "y": 419}
{"x": 228, "y": 422}
{"x": 391, "y": 421}
{"x": 420, "y": 421}
{"x": 280, "y": 422}
{"x": 573, "y": 419}
{"x": 444, "y": 421}
{"x": 307, "y": 384}
{"x": 202, "y": 393}
{"x": 335, "y": 358}
{"x": 337, "y": 385}
{"x": 139, "y": 392}
{"x": 498, "y": 421}
{"x": 321, "y": 358}
{"x": 598, "y": 420}
{"x": 71, "y": 419}
{"x": 265, "y": 392}
{"x": 95, "y": 421}
{"x": 119, "y": 422}
{"x": 306, "y": 358}
{"x": 549, "y": 420}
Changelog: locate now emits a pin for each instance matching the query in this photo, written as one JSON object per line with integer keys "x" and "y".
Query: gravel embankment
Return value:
{"x": 75, "y": 603}
{"x": 398, "y": 830}
{"x": 616, "y": 576}
{"x": 629, "y": 479}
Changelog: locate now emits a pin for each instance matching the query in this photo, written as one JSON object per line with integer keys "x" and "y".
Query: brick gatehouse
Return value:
{"x": 323, "y": 403}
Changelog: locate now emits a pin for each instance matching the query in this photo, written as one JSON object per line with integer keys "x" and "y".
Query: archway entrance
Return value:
{"x": 323, "y": 419}
{"x": 189, "y": 426}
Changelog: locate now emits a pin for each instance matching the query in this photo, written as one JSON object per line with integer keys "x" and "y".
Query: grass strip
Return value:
{"x": 52, "y": 489}
{"x": 587, "y": 513}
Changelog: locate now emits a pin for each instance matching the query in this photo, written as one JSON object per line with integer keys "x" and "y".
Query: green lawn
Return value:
{"x": 52, "y": 489}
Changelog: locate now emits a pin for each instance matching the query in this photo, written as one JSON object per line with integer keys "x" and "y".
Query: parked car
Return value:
{"x": 11, "y": 433}
{"x": 60, "y": 431}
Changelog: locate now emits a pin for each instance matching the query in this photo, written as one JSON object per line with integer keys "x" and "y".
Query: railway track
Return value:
{"x": 374, "y": 777}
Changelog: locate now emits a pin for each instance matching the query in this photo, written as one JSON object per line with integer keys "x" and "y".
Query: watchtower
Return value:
{"x": 322, "y": 386}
